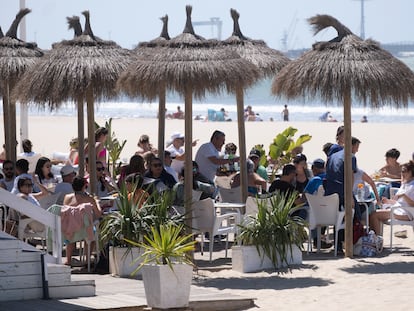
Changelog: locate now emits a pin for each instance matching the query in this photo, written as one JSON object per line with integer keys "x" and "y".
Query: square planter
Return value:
{"x": 166, "y": 288}
{"x": 247, "y": 259}
{"x": 120, "y": 261}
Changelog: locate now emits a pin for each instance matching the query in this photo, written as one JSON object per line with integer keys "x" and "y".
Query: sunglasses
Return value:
{"x": 157, "y": 165}
{"x": 100, "y": 169}
{"x": 7, "y": 168}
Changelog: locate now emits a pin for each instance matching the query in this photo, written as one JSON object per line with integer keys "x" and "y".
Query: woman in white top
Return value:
{"x": 404, "y": 198}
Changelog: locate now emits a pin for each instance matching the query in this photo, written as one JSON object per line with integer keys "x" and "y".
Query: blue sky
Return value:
{"x": 131, "y": 21}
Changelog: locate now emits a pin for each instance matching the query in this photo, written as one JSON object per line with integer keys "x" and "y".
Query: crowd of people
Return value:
{"x": 147, "y": 172}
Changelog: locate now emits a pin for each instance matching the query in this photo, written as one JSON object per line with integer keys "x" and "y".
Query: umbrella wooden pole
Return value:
{"x": 81, "y": 137}
{"x": 6, "y": 120}
{"x": 91, "y": 141}
{"x": 161, "y": 123}
{"x": 188, "y": 163}
{"x": 242, "y": 142}
{"x": 348, "y": 198}
{"x": 13, "y": 136}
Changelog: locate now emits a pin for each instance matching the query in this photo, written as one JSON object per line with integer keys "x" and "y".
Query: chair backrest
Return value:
{"x": 323, "y": 209}
{"x": 204, "y": 215}
{"x": 46, "y": 202}
{"x": 232, "y": 195}
{"x": 251, "y": 206}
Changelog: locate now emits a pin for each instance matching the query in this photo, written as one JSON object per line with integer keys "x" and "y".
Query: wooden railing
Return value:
{"x": 48, "y": 219}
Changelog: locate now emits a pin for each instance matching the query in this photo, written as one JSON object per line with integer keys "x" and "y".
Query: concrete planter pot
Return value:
{"x": 166, "y": 288}
{"x": 247, "y": 259}
{"x": 120, "y": 261}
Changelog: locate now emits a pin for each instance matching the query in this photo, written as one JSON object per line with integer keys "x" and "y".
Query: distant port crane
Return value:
{"x": 214, "y": 22}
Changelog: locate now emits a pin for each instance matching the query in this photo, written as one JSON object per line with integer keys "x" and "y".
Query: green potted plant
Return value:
{"x": 166, "y": 266}
{"x": 129, "y": 222}
{"x": 271, "y": 239}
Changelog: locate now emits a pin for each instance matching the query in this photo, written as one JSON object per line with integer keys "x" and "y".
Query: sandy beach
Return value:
{"x": 53, "y": 133}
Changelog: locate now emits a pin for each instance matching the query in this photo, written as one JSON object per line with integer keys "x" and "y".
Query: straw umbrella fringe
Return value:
{"x": 344, "y": 68}
{"x": 16, "y": 56}
{"x": 84, "y": 68}
{"x": 192, "y": 66}
{"x": 268, "y": 61}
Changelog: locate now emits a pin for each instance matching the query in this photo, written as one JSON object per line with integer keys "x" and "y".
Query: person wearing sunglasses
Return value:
{"x": 9, "y": 175}
{"x": 159, "y": 176}
{"x": 104, "y": 184}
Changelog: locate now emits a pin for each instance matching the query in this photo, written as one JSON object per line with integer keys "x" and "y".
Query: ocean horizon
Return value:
{"x": 259, "y": 96}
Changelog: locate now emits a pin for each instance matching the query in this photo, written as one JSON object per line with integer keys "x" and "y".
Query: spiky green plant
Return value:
{"x": 274, "y": 230}
{"x": 165, "y": 245}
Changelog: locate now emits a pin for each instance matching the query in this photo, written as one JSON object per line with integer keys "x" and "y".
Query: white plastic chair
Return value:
{"x": 393, "y": 221}
{"x": 233, "y": 195}
{"x": 323, "y": 211}
{"x": 205, "y": 220}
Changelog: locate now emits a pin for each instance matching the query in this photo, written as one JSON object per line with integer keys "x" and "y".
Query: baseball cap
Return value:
{"x": 255, "y": 153}
{"x": 318, "y": 163}
{"x": 176, "y": 135}
{"x": 66, "y": 170}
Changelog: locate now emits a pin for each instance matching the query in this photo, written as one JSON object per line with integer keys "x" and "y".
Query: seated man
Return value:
{"x": 284, "y": 184}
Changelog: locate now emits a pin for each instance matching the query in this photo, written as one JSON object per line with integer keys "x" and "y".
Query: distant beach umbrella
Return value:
{"x": 191, "y": 66}
{"x": 268, "y": 61}
{"x": 340, "y": 70}
{"x": 85, "y": 68}
{"x": 16, "y": 56}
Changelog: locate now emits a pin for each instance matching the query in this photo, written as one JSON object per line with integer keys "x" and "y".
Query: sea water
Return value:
{"x": 264, "y": 104}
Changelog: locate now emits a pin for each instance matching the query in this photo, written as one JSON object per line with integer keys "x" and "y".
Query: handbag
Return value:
{"x": 358, "y": 231}
{"x": 372, "y": 245}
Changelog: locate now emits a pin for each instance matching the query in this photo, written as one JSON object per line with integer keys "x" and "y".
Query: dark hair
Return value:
{"x": 38, "y": 170}
{"x": 23, "y": 165}
{"x": 217, "y": 134}
{"x": 409, "y": 166}
{"x": 288, "y": 169}
{"x": 136, "y": 164}
{"x": 8, "y": 162}
{"x": 299, "y": 158}
{"x": 27, "y": 145}
{"x": 355, "y": 141}
{"x": 392, "y": 153}
{"x": 326, "y": 147}
{"x": 78, "y": 183}
{"x": 339, "y": 131}
{"x": 21, "y": 181}
{"x": 135, "y": 178}
{"x": 100, "y": 131}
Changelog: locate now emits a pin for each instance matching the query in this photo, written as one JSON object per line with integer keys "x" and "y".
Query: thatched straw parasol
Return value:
{"x": 16, "y": 57}
{"x": 268, "y": 61}
{"x": 344, "y": 68}
{"x": 145, "y": 49}
{"x": 84, "y": 68}
{"x": 192, "y": 66}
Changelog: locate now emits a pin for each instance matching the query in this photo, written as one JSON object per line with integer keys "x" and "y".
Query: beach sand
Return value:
{"x": 52, "y": 134}
{"x": 324, "y": 281}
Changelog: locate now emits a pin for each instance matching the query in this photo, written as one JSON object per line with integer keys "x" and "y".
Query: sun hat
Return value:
{"x": 176, "y": 135}
{"x": 67, "y": 169}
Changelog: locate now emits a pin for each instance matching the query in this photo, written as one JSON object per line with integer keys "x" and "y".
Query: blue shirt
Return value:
{"x": 314, "y": 183}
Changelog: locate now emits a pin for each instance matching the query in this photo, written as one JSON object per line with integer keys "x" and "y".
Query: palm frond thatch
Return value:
{"x": 73, "y": 66}
{"x": 347, "y": 62}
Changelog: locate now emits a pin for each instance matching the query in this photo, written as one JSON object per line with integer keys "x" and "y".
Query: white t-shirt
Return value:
{"x": 177, "y": 165}
{"x": 408, "y": 190}
{"x": 206, "y": 167}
